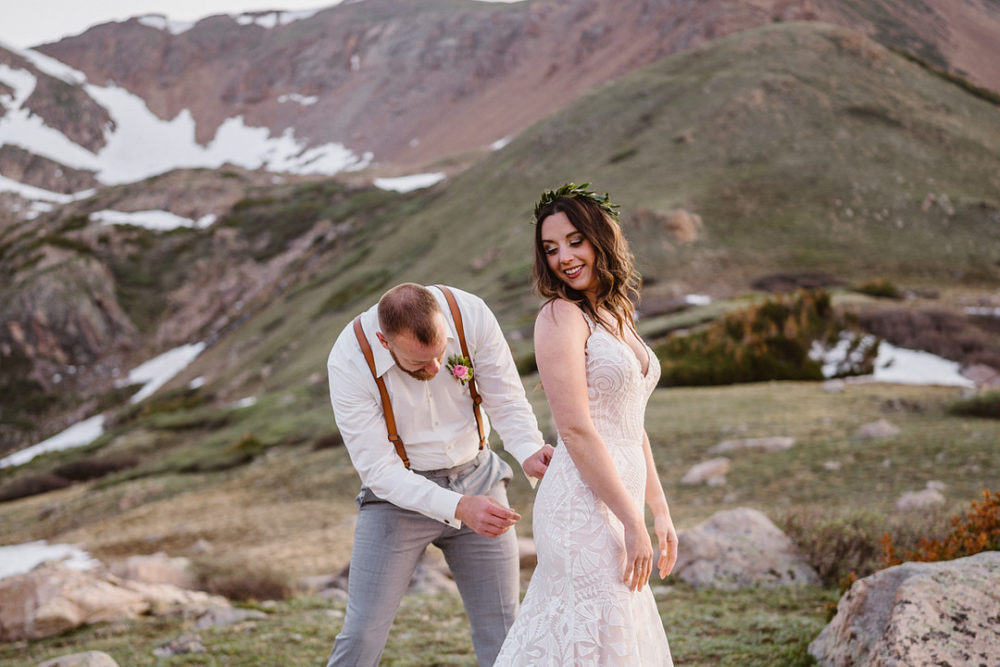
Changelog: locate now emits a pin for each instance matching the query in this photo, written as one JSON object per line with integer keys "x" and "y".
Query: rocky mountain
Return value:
{"x": 407, "y": 84}
{"x": 797, "y": 146}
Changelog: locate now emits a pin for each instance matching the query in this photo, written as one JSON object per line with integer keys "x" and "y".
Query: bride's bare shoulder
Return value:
{"x": 559, "y": 314}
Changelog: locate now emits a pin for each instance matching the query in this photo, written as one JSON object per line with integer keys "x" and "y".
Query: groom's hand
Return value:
{"x": 485, "y": 515}
{"x": 536, "y": 464}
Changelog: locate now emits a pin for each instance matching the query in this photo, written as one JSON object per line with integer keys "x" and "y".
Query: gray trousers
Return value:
{"x": 388, "y": 543}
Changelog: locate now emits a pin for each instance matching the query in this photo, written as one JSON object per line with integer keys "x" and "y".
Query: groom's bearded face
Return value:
{"x": 419, "y": 361}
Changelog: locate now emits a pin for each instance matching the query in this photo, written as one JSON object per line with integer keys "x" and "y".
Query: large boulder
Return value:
{"x": 740, "y": 548}
{"x": 86, "y": 659}
{"x": 945, "y": 613}
{"x": 52, "y": 599}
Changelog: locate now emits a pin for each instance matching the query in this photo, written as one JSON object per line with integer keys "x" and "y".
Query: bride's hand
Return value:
{"x": 667, "y": 538}
{"x": 638, "y": 556}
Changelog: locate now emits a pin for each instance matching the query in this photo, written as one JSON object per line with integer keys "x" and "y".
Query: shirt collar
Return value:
{"x": 383, "y": 359}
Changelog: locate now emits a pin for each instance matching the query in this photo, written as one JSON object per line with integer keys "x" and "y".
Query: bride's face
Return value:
{"x": 569, "y": 254}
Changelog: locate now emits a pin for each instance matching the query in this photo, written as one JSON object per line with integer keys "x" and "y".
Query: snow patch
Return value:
{"x": 275, "y": 18}
{"x": 982, "y": 311}
{"x": 158, "y": 220}
{"x": 51, "y": 66}
{"x": 21, "y": 558}
{"x": 156, "y": 372}
{"x": 301, "y": 99}
{"x": 139, "y": 144}
{"x": 245, "y": 402}
{"x": 409, "y": 183}
{"x": 77, "y": 435}
{"x": 161, "y": 22}
{"x": 901, "y": 366}
{"x": 33, "y": 193}
{"x": 893, "y": 365}
{"x": 697, "y": 299}
{"x": 500, "y": 143}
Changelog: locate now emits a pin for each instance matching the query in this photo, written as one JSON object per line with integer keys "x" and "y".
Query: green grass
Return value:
{"x": 753, "y": 627}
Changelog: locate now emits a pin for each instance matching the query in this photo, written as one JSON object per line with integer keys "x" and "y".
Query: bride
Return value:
{"x": 588, "y": 602}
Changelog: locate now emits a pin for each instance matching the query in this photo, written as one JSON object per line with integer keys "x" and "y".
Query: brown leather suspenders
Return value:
{"x": 390, "y": 419}
{"x": 456, "y": 315}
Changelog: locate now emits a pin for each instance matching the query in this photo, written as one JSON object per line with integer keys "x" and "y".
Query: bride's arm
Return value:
{"x": 666, "y": 536}
{"x": 560, "y": 341}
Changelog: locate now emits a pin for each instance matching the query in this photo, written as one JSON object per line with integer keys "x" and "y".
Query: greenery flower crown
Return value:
{"x": 574, "y": 190}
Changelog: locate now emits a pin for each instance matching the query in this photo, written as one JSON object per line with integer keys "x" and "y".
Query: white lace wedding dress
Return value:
{"x": 577, "y": 611}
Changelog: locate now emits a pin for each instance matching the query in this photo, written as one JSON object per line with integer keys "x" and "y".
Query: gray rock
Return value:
{"x": 882, "y": 428}
{"x": 189, "y": 643}
{"x": 740, "y": 548}
{"x": 945, "y": 613}
{"x": 772, "y": 444}
{"x": 87, "y": 659}
{"x": 219, "y": 616}
{"x": 919, "y": 500}
{"x": 711, "y": 472}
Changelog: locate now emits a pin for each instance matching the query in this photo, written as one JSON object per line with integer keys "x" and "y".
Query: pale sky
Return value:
{"x": 34, "y": 22}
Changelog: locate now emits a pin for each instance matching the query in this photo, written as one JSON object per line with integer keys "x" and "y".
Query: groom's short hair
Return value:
{"x": 409, "y": 307}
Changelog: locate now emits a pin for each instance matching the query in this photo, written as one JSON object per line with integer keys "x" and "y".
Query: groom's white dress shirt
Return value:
{"x": 434, "y": 418}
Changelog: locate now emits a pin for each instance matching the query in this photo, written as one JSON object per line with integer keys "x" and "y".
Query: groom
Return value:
{"x": 408, "y": 381}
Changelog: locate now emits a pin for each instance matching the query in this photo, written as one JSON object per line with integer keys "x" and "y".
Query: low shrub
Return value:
{"x": 977, "y": 531}
{"x": 986, "y": 404}
{"x": 241, "y": 580}
{"x": 880, "y": 288}
{"x": 87, "y": 469}
{"x": 32, "y": 486}
{"x": 769, "y": 341}
{"x": 789, "y": 281}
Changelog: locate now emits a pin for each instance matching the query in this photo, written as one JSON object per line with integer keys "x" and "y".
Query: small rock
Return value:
{"x": 220, "y": 616}
{"x": 772, "y": 444}
{"x": 877, "y": 429}
{"x": 712, "y": 472}
{"x": 919, "y": 500}
{"x": 49, "y": 511}
{"x": 936, "y": 485}
{"x": 86, "y": 659}
{"x": 832, "y": 466}
{"x": 189, "y": 643}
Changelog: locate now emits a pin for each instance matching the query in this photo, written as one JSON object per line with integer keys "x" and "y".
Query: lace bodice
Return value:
{"x": 616, "y": 387}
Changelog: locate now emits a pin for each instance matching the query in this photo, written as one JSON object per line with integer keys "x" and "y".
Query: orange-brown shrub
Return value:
{"x": 977, "y": 531}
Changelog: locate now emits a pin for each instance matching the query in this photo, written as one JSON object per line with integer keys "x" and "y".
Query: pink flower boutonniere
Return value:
{"x": 460, "y": 368}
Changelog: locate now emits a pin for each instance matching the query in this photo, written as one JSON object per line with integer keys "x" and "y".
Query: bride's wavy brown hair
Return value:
{"x": 614, "y": 265}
